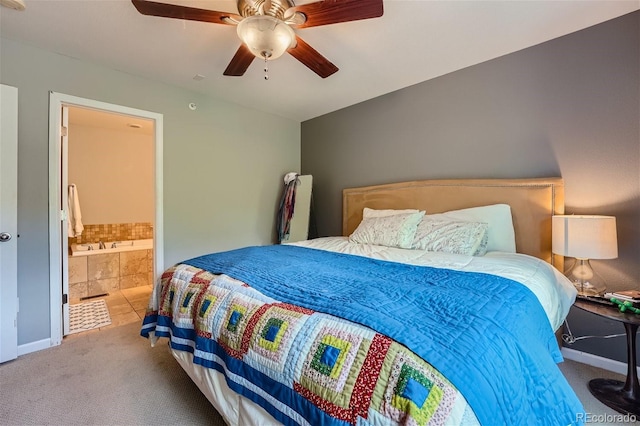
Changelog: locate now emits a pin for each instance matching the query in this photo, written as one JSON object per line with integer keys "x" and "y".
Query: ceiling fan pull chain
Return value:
{"x": 266, "y": 69}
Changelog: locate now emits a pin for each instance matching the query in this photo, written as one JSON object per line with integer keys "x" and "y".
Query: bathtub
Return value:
{"x": 110, "y": 247}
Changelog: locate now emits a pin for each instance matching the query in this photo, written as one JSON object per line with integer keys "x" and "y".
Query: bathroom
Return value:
{"x": 110, "y": 176}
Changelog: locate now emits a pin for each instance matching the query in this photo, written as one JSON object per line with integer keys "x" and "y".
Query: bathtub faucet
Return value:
{"x": 101, "y": 245}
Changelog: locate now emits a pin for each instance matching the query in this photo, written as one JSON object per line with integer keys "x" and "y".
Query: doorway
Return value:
{"x": 58, "y": 194}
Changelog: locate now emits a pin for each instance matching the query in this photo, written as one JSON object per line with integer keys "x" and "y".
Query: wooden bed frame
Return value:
{"x": 532, "y": 201}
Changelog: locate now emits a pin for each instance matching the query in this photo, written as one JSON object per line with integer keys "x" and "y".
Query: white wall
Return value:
{"x": 113, "y": 173}
{"x": 223, "y": 166}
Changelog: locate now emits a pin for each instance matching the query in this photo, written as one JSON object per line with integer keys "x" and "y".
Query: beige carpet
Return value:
{"x": 106, "y": 377}
{"x": 113, "y": 377}
{"x": 578, "y": 376}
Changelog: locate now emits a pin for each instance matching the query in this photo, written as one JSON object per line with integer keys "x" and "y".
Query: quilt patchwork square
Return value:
{"x": 185, "y": 303}
{"x": 272, "y": 333}
{"x": 333, "y": 361}
{"x": 411, "y": 391}
{"x": 207, "y": 309}
{"x": 237, "y": 312}
{"x": 416, "y": 391}
{"x": 233, "y": 333}
{"x": 415, "y": 395}
{"x": 330, "y": 356}
{"x": 273, "y": 337}
{"x": 176, "y": 282}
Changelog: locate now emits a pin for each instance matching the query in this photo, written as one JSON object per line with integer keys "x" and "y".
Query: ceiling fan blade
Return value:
{"x": 334, "y": 11}
{"x": 312, "y": 59}
{"x": 165, "y": 10}
{"x": 240, "y": 62}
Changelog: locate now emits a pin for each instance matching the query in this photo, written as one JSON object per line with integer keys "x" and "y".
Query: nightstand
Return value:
{"x": 622, "y": 397}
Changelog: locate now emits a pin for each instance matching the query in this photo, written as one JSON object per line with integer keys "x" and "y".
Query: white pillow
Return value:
{"x": 391, "y": 231}
{"x": 502, "y": 237}
{"x": 468, "y": 238}
{"x": 367, "y": 212}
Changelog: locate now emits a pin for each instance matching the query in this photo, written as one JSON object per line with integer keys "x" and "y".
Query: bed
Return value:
{"x": 438, "y": 305}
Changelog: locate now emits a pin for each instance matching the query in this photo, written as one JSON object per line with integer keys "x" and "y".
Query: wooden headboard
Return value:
{"x": 532, "y": 201}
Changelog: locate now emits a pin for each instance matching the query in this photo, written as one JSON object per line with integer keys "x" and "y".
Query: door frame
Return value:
{"x": 56, "y": 243}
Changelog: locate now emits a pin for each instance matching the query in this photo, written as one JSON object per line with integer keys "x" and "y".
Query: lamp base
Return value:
{"x": 588, "y": 289}
{"x": 585, "y": 279}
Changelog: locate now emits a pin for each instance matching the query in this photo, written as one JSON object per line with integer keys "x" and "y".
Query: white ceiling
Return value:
{"x": 412, "y": 42}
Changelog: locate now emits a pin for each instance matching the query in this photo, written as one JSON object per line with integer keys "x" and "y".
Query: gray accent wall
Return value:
{"x": 223, "y": 166}
{"x": 569, "y": 107}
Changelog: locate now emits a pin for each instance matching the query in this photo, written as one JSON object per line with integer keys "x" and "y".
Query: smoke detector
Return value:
{"x": 13, "y": 4}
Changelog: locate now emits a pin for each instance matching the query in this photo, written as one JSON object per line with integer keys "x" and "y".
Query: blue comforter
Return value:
{"x": 488, "y": 335}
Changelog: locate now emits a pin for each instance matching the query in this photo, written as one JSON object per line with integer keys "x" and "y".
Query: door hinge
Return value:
{"x": 65, "y": 299}
{"x": 63, "y": 216}
{"x": 63, "y": 131}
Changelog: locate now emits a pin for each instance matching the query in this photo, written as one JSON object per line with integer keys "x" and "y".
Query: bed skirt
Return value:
{"x": 234, "y": 408}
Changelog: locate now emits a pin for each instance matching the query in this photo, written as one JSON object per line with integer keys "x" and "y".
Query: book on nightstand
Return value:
{"x": 625, "y": 295}
{"x": 603, "y": 300}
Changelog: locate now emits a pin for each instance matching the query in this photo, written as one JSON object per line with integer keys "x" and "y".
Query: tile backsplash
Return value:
{"x": 114, "y": 232}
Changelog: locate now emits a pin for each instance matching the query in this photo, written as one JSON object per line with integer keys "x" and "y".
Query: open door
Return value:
{"x": 8, "y": 223}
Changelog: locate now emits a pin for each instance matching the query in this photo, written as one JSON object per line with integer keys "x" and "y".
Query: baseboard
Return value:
{"x": 596, "y": 361}
{"x": 34, "y": 346}
{"x": 568, "y": 353}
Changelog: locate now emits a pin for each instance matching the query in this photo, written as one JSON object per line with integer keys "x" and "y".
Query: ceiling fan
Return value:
{"x": 266, "y": 27}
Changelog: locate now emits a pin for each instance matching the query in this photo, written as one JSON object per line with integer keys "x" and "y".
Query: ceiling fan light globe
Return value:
{"x": 13, "y": 4}
{"x": 265, "y": 36}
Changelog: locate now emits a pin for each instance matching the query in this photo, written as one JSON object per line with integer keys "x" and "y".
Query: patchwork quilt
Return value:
{"x": 341, "y": 339}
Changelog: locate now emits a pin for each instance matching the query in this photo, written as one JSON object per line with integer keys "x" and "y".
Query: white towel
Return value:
{"x": 74, "y": 221}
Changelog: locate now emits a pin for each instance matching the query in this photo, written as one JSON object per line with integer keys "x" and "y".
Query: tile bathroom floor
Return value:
{"x": 125, "y": 306}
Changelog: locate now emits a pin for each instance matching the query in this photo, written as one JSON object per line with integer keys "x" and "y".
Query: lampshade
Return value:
{"x": 585, "y": 237}
{"x": 265, "y": 36}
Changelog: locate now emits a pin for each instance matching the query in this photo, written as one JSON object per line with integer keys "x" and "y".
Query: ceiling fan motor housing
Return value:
{"x": 275, "y": 8}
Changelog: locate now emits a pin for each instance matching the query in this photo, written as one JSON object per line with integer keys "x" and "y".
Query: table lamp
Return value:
{"x": 583, "y": 238}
